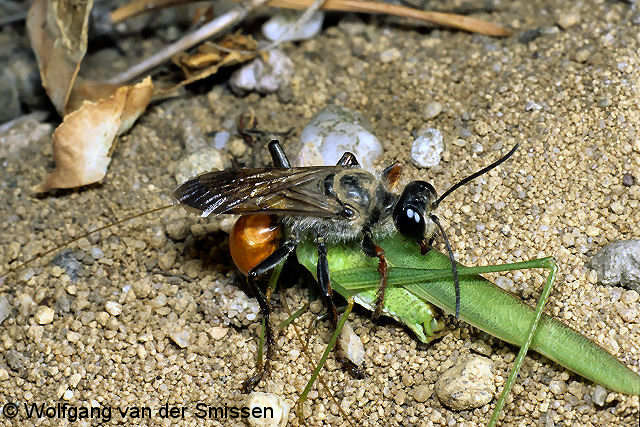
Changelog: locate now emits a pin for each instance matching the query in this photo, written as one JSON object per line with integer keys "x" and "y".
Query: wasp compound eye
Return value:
{"x": 412, "y": 207}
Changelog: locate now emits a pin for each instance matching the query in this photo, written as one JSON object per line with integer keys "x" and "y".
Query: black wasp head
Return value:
{"x": 412, "y": 210}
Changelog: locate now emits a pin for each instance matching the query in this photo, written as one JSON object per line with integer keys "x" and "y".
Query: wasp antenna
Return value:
{"x": 454, "y": 268}
{"x": 477, "y": 174}
{"x": 89, "y": 233}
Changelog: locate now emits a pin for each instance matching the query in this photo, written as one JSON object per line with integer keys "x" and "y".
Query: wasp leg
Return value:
{"x": 325, "y": 282}
{"x": 278, "y": 256}
{"x": 348, "y": 159}
{"x": 325, "y": 285}
{"x": 280, "y": 159}
{"x": 374, "y": 251}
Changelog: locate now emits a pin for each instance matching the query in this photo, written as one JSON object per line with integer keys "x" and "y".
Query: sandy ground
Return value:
{"x": 569, "y": 98}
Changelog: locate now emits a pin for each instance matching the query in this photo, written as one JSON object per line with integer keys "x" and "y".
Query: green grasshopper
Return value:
{"x": 416, "y": 282}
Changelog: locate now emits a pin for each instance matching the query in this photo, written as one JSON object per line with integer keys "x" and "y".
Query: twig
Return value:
{"x": 210, "y": 29}
{"x": 138, "y": 7}
{"x": 445, "y": 19}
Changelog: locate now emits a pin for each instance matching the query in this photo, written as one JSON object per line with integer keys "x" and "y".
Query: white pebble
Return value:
{"x": 351, "y": 345}
{"x": 44, "y": 315}
{"x": 263, "y": 77}
{"x": 282, "y": 27}
{"x": 427, "y": 148}
{"x": 332, "y": 132}
{"x": 113, "y": 308}
{"x": 274, "y": 403}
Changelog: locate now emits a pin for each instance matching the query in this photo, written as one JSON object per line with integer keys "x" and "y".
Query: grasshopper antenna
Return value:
{"x": 89, "y": 233}
{"x": 473, "y": 176}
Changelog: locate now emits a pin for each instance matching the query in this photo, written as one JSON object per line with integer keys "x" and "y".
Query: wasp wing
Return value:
{"x": 293, "y": 191}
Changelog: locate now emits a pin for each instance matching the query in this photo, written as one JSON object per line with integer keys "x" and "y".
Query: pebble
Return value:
{"x": 582, "y": 55}
{"x": 4, "y": 374}
{"x": 422, "y": 393}
{"x": 44, "y": 315}
{"x": 180, "y": 337}
{"x": 333, "y": 131}
{"x": 217, "y": 332}
{"x": 351, "y": 345}
{"x": 201, "y": 161}
{"x": 390, "y": 55}
{"x": 263, "y": 77}
{"x": 467, "y": 385}
{"x": 568, "y": 19}
{"x": 5, "y": 308}
{"x": 599, "y": 395}
{"x": 432, "y": 110}
{"x": 618, "y": 264}
{"x": 282, "y": 26}
{"x": 628, "y": 180}
{"x": 279, "y": 406}
{"x": 113, "y": 308}
{"x": 220, "y": 139}
{"x": 427, "y": 148}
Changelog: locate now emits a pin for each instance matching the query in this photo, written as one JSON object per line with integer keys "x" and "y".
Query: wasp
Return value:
{"x": 282, "y": 206}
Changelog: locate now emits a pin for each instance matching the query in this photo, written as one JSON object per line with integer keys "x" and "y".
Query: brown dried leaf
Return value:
{"x": 82, "y": 144}
{"x": 210, "y": 57}
{"x": 58, "y": 33}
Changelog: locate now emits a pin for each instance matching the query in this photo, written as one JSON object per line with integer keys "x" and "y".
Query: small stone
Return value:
{"x": 432, "y": 110}
{"x": 334, "y": 131}
{"x": 201, "y": 161}
{"x": 268, "y": 400}
{"x": 351, "y": 345}
{"x": 284, "y": 26}
{"x": 217, "y": 332}
{"x": 180, "y": 337}
{"x": 44, "y": 315}
{"x": 617, "y": 207}
{"x": 166, "y": 261}
{"x": 467, "y": 385}
{"x": 142, "y": 288}
{"x": 568, "y": 19}
{"x": 482, "y": 128}
{"x": 390, "y": 55}
{"x": 74, "y": 380}
{"x": 264, "y": 77}
{"x": 220, "y": 139}
{"x": 532, "y": 106}
{"x": 558, "y": 388}
{"x": 67, "y": 395}
{"x": 400, "y": 397}
{"x": 73, "y": 336}
{"x": 5, "y": 308}
{"x": 582, "y": 55}
{"x": 422, "y": 393}
{"x": 113, "y": 308}
{"x": 237, "y": 148}
{"x": 427, "y": 148}
{"x": 628, "y": 180}
{"x": 599, "y": 395}
{"x": 4, "y": 374}
{"x": 618, "y": 264}
{"x": 592, "y": 231}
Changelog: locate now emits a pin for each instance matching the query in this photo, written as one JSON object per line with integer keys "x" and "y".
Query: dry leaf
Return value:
{"x": 58, "y": 33}
{"x": 82, "y": 144}
{"x": 209, "y": 57}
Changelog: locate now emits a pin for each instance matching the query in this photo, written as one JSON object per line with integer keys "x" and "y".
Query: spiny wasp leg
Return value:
{"x": 269, "y": 263}
{"x": 374, "y": 251}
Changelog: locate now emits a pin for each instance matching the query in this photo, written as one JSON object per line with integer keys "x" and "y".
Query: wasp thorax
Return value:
{"x": 412, "y": 210}
{"x": 357, "y": 188}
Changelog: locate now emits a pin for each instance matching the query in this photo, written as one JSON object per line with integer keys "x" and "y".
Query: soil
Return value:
{"x": 569, "y": 95}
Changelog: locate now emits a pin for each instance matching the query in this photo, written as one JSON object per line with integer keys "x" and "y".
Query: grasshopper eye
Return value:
{"x": 412, "y": 207}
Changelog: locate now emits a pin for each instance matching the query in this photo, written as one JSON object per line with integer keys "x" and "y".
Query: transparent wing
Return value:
{"x": 294, "y": 191}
